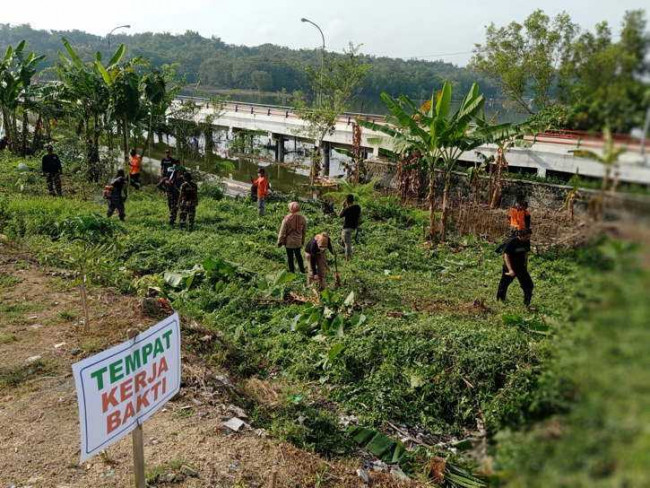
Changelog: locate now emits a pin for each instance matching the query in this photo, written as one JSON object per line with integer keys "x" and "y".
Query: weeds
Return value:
{"x": 402, "y": 341}
{"x": 16, "y": 375}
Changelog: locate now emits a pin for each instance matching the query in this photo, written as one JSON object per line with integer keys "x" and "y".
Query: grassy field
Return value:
{"x": 413, "y": 342}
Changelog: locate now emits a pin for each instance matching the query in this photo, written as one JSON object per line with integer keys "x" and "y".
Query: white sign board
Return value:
{"x": 121, "y": 387}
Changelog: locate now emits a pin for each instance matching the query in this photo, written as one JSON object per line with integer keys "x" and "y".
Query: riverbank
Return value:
{"x": 413, "y": 345}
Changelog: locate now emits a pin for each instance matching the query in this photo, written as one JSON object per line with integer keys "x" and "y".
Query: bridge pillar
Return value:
{"x": 326, "y": 152}
{"x": 541, "y": 172}
{"x": 279, "y": 147}
{"x": 375, "y": 152}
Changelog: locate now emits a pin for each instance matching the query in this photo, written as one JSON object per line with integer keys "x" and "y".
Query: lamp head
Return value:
{"x": 303, "y": 20}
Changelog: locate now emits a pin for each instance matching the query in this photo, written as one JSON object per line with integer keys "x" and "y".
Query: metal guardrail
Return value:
{"x": 279, "y": 110}
{"x": 575, "y": 138}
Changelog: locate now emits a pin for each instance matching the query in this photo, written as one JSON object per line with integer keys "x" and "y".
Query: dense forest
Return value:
{"x": 211, "y": 63}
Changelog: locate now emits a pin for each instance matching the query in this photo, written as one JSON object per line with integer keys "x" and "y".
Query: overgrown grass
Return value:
{"x": 434, "y": 353}
{"x": 602, "y": 438}
{"x": 15, "y": 375}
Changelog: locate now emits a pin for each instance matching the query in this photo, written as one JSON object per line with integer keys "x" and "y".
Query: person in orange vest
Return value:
{"x": 262, "y": 183}
{"x": 135, "y": 166}
{"x": 519, "y": 217}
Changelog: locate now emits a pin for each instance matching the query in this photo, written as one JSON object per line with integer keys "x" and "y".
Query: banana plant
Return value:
{"x": 86, "y": 99}
{"x": 609, "y": 159}
{"x": 17, "y": 69}
{"x": 440, "y": 136}
{"x": 123, "y": 82}
{"x": 26, "y": 70}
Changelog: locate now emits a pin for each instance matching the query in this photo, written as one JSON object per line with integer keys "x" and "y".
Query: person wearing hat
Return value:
{"x": 188, "y": 201}
{"x": 52, "y": 170}
{"x": 292, "y": 236}
{"x": 515, "y": 265}
{"x": 315, "y": 252}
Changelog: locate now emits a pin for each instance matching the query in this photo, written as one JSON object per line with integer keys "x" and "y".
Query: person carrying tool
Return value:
{"x": 515, "y": 265}
{"x": 292, "y": 236}
{"x": 315, "y": 253}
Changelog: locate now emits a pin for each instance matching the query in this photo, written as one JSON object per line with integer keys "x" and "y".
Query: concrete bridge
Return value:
{"x": 547, "y": 154}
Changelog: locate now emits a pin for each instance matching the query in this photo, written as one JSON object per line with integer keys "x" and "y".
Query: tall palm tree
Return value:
{"x": 439, "y": 135}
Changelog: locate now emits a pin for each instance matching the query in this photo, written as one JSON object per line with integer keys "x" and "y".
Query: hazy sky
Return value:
{"x": 430, "y": 29}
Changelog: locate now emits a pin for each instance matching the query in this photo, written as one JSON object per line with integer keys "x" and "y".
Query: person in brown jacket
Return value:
{"x": 292, "y": 236}
{"x": 315, "y": 252}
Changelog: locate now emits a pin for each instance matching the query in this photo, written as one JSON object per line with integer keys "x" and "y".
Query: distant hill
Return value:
{"x": 266, "y": 68}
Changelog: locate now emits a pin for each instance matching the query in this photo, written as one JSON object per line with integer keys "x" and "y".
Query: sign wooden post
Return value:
{"x": 120, "y": 388}
{"x": 138, "y": 445}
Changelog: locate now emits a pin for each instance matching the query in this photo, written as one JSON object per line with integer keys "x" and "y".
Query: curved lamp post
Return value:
{"x": 108, "y": 36}
{"x": 322, "y": 58}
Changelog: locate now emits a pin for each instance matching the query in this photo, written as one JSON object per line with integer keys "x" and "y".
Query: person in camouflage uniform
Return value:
{"x": 189, "y": 199}
{"x": 172, "y": 184}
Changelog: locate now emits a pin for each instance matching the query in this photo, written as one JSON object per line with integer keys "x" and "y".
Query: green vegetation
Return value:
{"x": 8, "y": 281}
{"x": 7, "y": 338}
{"x": 571, "y": 78}
{"x": 16, "y": 375}
{"x": 600, "y": 440}
{"x": 432, "y": 137}
{"x": 265, "y": 68}
{"x": 413, "y": 338}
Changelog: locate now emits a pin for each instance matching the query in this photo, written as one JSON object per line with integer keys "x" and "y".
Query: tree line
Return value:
{"x": 575, "y": 78}
{"x": 211, "y": 63}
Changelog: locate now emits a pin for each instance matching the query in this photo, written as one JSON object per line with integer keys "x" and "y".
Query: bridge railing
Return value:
{"x": 278, "y": 110}
{"x": 574, "y": 138}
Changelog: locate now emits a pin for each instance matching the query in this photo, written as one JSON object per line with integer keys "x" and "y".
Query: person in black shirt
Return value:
{"x": 515, "y": 265}
{"x": 52, "y": 169}
{"x": 116, "y": 198}
{"x": 166, "y": 163}
{"x": 351, "y": 215}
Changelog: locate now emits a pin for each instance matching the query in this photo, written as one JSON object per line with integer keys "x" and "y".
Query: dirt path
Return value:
{"x": 185, "y": 444}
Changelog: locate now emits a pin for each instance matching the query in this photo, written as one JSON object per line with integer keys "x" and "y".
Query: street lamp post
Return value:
{"x": 108, "y": 36}
{"x": 322, "y": 59}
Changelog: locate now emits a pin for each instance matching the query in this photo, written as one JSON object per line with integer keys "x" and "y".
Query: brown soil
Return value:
{"x": 39, "y": 439}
